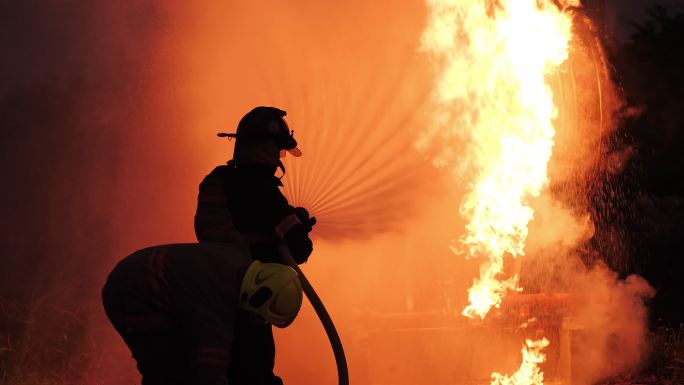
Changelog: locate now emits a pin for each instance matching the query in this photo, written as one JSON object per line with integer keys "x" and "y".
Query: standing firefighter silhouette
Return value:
{"x": 244, "y": 195}
{"x": 202, "y": 313}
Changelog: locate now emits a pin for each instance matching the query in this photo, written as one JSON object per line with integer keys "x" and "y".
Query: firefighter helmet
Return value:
{"x": 273, "y": 291}
{"x": 261, "y": 136}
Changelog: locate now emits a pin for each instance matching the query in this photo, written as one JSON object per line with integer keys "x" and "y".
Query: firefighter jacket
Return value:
{"x": 246, "y": 199}
{"x": 188, "y": 295}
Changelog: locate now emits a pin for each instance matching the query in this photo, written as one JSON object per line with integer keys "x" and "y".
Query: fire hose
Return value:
{"x": 322, "y": 313}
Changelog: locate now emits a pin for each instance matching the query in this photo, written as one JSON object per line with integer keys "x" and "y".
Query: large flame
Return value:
{"x": 494, "y": 57}
{"x": 492, "y": 94}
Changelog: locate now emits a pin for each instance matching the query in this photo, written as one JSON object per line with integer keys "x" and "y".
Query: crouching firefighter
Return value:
{"x": 243, "y": 197}
{"x": 179, "y": 309}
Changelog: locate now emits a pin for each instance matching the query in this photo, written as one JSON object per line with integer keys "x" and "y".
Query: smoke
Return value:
{"x": 609, "y": 331}
{"x": 110, "y": 112}
{"x": 556, "y": 227}
{"x": 391, "y": 295}
{"x": 109, "y": 118}
{"x": 81, "y": 118}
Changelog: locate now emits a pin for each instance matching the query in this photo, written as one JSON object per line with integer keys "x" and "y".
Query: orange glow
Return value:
{"x": 529, "y": 373}
{"x": 357, "y": 94}
{"x": 492, "y": 92}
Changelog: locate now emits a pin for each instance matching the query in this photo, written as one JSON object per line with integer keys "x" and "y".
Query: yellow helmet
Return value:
{"x": 273, "y": 291}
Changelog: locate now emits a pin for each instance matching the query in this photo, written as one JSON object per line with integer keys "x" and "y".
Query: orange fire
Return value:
{"x": 491, "y": 92}
{"x": 529, "y": 372}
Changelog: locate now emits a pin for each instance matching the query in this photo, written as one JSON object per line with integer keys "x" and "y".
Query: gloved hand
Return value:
{"x": 303, "y": 215}
{"x": 297, "y": 240}
{"x": 294, "y": 230}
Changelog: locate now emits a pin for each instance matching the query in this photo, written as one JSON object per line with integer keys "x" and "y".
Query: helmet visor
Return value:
{"x": 295, "y": 152}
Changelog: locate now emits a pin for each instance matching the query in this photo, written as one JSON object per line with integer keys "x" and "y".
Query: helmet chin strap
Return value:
{"x": 281, "y": 166}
